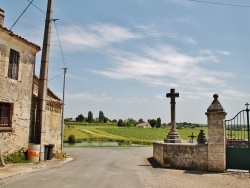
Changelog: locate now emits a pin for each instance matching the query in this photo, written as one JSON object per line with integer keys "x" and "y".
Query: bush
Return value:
{"x": 61, "y": 155}
{"x": 71, "y": 139}
{"x": 120, "y": 123}
{"x": 18, "y": 157}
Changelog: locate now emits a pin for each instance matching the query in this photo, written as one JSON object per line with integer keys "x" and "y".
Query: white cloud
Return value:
{"x": 94, "y": 36}
{"x": 180, "y": 2}
{"x": 164, "y": 64}
{"x": 157, "y": 65}
{"x": 88, "y": 96}
{"x": 184, "y": 39}
{"x": 232, "y": 93}
{"x": 150, "y": 30}
{"x": 203, "y": 92}
{"x": 76, "y": 77}
{"x": 132, "y": 100}
{"x": 103, "y": 97}
{"x": 224, "y": 52}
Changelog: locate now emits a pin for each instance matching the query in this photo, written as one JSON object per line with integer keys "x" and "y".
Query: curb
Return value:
{"x": 12, "y": 170}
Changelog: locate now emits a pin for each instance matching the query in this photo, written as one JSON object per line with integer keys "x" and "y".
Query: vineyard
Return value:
{"x": 132, "y": 134}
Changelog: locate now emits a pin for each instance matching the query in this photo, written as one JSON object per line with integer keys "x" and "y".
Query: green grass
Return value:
{"x": 88, "y": 132}
{"x": 17, "y": 157}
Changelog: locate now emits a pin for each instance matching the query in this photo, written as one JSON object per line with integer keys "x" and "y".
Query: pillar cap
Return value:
{"x": 215, "y": 106}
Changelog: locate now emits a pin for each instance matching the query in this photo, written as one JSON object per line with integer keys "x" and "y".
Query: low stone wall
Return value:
{"x": 181, "y": 155}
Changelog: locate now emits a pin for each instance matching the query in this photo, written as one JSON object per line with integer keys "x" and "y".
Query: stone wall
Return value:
{"x": 53, "y": 117}
{"x": 16, "y": 92}
{"x": 210, "y": 156}
{"x": 181, "y": 155}
{"x": 53, "y": 125}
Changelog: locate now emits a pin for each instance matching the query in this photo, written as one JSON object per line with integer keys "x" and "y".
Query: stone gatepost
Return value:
{"x": 216, "y": 136}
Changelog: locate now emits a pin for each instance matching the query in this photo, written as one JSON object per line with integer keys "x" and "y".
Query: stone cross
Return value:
{"x": 247, "y": 105}
{"x": 192, "y": 137}
{"x": 173, "y": 136}
{"x": 172, "y": 95}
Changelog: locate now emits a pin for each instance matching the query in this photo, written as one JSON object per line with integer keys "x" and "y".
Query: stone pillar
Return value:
{"x": 216, "y": 136}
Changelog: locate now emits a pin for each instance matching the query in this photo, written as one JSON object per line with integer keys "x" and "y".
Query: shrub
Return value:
{"x": 18, "y": 157}
{"x": 71, "y": 139}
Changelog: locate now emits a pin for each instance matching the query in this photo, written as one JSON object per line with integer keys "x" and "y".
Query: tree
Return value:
{"x": 106, "y": 120}
{"x": 158, "y": 123}
{"x": 90, "y": 117}
{"x": 80, "y": 118}
{"x": 131, "y": 122}
{"x": 114, "y": 121}
{"x": 141, "y": 120}
{"x": 164, "y": 125}
{"x": 68, "y": 119}
{"x": 101, "y": 117}
{"x": 152, "y": 122}
{"x": 120, "y": 123}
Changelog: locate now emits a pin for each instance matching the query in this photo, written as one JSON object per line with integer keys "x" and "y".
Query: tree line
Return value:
{"x": 121, "y": 123}
{"x": 90, "y": 118}
{"x": 128, "y": 122}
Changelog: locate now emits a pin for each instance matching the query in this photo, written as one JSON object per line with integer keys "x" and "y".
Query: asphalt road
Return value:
{"x": 121, "y": 168}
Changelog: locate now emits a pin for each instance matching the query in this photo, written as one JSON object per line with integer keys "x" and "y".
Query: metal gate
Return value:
{"x": 238, "y": 142}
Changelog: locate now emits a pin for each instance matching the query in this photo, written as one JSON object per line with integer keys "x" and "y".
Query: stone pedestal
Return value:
{"x": 173, "y": 137}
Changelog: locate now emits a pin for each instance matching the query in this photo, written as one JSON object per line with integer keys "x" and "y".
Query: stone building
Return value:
{"x": 18, "y": 95}
{"x": 143, "y": 125}
{"x": 17, "y": 63}
{"x": 53, "y": 116}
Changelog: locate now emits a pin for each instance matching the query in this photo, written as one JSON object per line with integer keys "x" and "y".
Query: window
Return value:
{"x": 5, "y": 115}
{"x": 13, "y": 64}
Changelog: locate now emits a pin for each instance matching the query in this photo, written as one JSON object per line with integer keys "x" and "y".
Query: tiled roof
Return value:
{"x": 50, "y": 93}
{"x": 4, "y": 29}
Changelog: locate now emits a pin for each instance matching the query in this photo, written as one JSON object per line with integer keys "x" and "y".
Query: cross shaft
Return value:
{"x": 173, "y": 136}
{"x": 172, "y": 95}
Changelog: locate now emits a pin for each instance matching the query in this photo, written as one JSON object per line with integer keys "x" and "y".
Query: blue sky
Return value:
{"x": 123, "y": 56}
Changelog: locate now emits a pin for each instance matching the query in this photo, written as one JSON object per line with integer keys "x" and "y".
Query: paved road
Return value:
{"x": 120, "y": 168}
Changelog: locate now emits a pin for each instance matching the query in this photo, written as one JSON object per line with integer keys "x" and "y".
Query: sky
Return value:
{"x": 123, "y": 56}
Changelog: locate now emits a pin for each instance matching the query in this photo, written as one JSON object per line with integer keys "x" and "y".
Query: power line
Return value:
{"x": 59, "y": 42}
{"x": 54, "y": 20}
{"x": 36, "y": 6}
{"x": 21, "y": 14}
{"x": 55, "y": 76}
{"x": 224, "y": 4}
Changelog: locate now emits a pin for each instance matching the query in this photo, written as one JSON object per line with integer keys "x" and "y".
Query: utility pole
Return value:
{"x": 62, "y": 121}
{"x": 43, "y": 82}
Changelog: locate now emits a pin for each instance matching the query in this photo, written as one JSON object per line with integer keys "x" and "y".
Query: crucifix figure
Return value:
{"x": 173, "y": 136}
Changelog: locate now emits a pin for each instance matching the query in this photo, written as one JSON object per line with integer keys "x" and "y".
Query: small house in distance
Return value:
{"x": 143, "y": 125}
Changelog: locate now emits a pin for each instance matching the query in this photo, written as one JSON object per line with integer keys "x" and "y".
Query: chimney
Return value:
{"x": 1, "y": 17}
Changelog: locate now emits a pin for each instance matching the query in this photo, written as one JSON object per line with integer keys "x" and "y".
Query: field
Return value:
{"x": 111, "y": 132}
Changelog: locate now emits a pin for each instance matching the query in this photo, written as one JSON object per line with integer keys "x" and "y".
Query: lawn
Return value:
{"x": 88, "y": 132}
